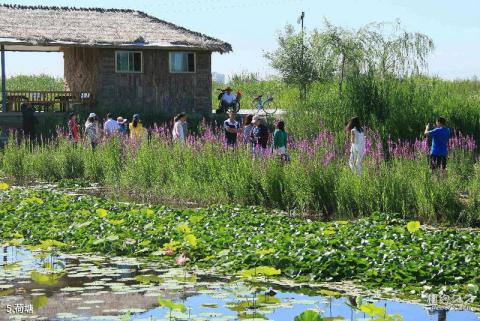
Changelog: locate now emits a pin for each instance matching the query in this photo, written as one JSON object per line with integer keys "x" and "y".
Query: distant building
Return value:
{"x": 114, "y": 58}
{"x": 218, "y": 78}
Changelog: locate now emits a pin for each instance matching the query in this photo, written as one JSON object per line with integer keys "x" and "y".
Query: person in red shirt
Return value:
{"x": 73, "y": 134}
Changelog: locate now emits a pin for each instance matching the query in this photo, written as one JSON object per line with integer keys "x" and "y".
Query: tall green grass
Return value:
{"x": 156, "y": 170}
{"x": 396, "y": 107}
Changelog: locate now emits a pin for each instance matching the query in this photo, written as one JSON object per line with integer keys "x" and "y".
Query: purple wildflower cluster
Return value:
{"x": 322, "y": 148}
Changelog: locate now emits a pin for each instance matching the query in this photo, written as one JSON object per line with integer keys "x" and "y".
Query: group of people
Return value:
{"x": 255, "y": 134}
{"x": 438, "y": 136}
{"x": 111, "y": 127}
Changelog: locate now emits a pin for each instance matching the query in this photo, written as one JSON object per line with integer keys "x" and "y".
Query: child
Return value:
{"x": 73, "y": 134}
{"x": 280, "y": 140}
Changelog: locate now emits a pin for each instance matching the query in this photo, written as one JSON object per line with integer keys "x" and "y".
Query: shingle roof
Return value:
{"x": 57, "y": 26}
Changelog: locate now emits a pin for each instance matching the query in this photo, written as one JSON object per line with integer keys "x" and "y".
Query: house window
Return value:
{"x": 129, "y": 61}
{"x": 182, "y": 62}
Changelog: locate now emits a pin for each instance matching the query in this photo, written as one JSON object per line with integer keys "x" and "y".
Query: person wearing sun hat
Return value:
{"x": 228, "y": 99}
{"x": 122, "y": 126}
{"x": 92, "y": 130}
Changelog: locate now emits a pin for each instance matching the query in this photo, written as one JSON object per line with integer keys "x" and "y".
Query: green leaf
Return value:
{"x": 308, "y": 315}
{"x": 191, "y": 239}
{"x": 413, "y": 226}
{"x": 49, "y": 279}
{"x": 102, "y": 212}
{"x": 39, "y": 301}
{"x": 184, "y": 228}
{"x": 372, "y": 310}
{"x": 172, "y": 305}
{"x": 261, "y": 270}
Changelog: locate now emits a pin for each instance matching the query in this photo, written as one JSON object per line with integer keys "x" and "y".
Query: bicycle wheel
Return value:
{"x": 269, "y": 106}
{"x": 256, "y": 105}
{"x": 236, "y": 107}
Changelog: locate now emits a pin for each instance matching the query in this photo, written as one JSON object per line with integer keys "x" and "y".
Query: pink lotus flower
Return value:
{"x": 182, "y": 259}
{"x": 169, "y": 251}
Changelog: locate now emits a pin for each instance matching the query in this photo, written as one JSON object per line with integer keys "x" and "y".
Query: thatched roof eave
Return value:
{"x": 97, "y": 27}
{"x": 35, "y": 45}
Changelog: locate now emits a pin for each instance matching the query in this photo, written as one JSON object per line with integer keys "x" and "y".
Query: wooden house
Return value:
{"x": 112, "y": 58}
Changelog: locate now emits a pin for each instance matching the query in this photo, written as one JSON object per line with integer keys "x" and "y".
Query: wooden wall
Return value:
{"x": 154, "y": 90}
{"x": 80, "y": 69}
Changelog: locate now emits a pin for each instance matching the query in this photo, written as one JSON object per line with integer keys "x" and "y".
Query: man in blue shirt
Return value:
{"x": 440, "y": 136}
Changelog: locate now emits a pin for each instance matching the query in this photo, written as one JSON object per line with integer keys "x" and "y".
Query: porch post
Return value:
{"x": 4, "y": 94}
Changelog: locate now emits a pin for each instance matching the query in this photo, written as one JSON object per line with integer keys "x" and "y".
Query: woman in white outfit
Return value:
{"x": 178, "y": 131}
{"x": 357, "y": 149}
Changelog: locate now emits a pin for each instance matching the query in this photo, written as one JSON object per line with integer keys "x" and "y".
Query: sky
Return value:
{"x": 252, "y": 26}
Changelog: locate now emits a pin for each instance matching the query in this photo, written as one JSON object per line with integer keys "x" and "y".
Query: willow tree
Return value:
{"x": 374, "y": 49}
{"x": 334, "y": 52}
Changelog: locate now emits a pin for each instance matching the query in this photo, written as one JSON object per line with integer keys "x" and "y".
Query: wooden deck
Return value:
{"x": 15, "y": 119}
{"x": 61, "y": 101}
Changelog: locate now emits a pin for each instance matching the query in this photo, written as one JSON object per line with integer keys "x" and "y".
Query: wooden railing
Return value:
{"x": 46, "y": 100}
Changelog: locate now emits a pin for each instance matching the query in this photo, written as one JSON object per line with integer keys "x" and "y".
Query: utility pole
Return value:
{"x": 302, "y": 62}
{"x": 4, "y": 96}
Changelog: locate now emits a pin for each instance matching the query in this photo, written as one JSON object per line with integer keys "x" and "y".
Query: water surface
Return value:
{"x": 88, "y": 287}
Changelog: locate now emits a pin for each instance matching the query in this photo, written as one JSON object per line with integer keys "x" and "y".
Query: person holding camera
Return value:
{"x": 439, "y": 149}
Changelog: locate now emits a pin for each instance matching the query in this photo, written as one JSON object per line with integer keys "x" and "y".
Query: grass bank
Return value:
{"x": 381, "y": 250}
{"x": 396, "y": 177}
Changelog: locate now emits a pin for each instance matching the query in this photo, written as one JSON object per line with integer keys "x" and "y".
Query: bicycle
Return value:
{"x": 268, "y": 106}
{"x": 235, "y": 104}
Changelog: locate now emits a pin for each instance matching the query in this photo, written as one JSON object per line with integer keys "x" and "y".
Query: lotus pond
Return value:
{"x": 225, "y": 263}
{"x": 91, "y": 287}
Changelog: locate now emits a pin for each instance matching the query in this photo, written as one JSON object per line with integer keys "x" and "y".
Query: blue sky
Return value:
{"x": 251, "y": 27}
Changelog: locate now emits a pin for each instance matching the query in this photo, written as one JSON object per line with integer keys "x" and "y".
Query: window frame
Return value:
{"x": 182, "y": 52}
{"x": 128, "y": 71}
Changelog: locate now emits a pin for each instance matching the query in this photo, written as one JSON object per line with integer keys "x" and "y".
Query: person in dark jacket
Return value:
{"x": 29, "y": 121}
{"x": 259, "y": 135}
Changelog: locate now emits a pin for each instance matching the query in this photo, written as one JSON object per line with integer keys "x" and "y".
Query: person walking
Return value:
{"x": 29, "y": 121}
{"x": 73, "y": 134}
{"x": 92, "y": 130}
{"x": 178, "y": 132}
{"x": 440, "y": 136}
{"x": 280, "y": 138}
{"x": 357, "y": 148}
{"x": 137, "y": 132}
{"x": 232, "y": 128}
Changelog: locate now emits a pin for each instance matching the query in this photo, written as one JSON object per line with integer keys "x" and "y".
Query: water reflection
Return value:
{"x": 90, "y": 287}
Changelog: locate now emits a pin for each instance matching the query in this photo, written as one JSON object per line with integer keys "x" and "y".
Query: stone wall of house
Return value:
{"x": 154, "y": 90}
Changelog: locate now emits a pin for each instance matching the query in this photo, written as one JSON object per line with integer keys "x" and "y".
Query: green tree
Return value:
{"x": 294, "y": 59}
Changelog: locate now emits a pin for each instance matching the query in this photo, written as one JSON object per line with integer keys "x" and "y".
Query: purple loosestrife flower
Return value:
{"x": 328, "y": 157}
